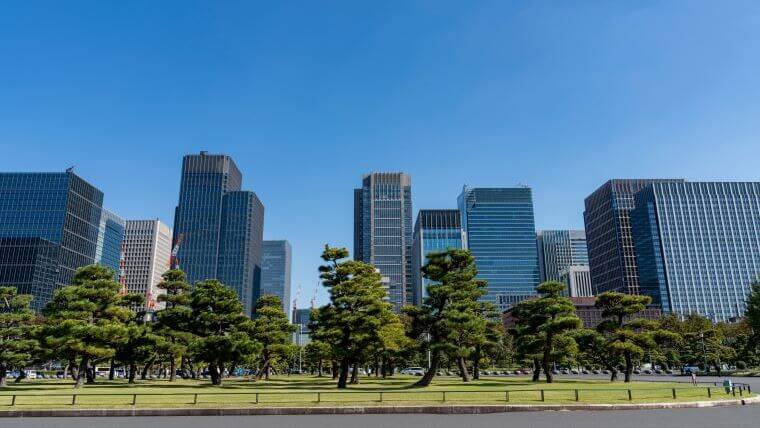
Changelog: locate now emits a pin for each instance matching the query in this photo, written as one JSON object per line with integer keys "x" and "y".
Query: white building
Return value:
{"x": 578, "y": 280}
{"x": 147, "y": 252}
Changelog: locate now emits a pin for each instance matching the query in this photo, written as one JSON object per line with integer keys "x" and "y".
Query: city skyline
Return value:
{"x": 560, "y": 97}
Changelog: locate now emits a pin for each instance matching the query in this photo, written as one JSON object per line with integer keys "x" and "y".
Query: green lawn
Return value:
{"x": 307, "y": 390}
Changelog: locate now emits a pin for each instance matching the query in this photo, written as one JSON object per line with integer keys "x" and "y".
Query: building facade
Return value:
{"x": 434, "y": 231}
{"x": 383, "y": 230}
{"x": 611, "y": 253}
{"x": 560, "y": 249}
{"x": 276, "y": 261}
{"x": 110, "y": 238}
{"x": 578, "y": 280}
{"x": 301, "y": 319}
{"x": 49, "y": 227}
{"x": 698, "y": 245}
{"x": 147, "y": 254}
{"x": 500, "y": 232}
{"x": 590, "y": 315}
{"x": 219, "y": 226}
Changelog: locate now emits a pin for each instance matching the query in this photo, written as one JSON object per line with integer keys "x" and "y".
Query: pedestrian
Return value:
{"x": 693, "y": 377}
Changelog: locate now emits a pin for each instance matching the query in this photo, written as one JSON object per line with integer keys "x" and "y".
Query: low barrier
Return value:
{"x": 316, "y": 397}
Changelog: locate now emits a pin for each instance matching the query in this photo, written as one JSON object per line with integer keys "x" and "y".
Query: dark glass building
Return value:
{"x": 560, "y": 249}
{"x": 434, "y": 230}
{"x": 500, "y": 232}
{"x": 275, "y": 271}
{"x": 383, "y": 230}
{"x": 611, "y": 253}
{"x": 220, "y": 226}
{"x": 49, "y": 227}
{"x": 698, "y": 245}
{"x": 110, "y": 236}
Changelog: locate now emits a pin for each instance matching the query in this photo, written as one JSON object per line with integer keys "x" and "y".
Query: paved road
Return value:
{"x": 735, "y": 417}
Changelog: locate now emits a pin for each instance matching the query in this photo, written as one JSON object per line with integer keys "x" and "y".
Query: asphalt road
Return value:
{"x": 738, "y": 417}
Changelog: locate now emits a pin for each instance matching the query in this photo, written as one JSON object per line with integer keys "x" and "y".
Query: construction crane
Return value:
{"x": 173, "y": 260}
{"x": 314, "y": 296}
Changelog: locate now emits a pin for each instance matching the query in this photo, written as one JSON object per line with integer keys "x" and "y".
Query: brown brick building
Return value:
{"x": 587, "y": 312}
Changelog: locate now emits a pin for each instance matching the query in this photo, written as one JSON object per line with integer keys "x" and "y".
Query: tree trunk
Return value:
{"x": 146, "y": 368}
{"x": 71, "y": 369}
{"x": 613, "y": 374}
{"x": 536, "y": 370}
{"x": 427, "y": 378}
{"x": 463, "y": 369}
{"x": 377, "y": 367}
{"x": 476, "y": 363}
{"x": 545, "y": 361}
{"x": 213, "y": 371}
{"x": 21, "y": 376}
{"x": 81, "y": 372}
{"x": 172, "y": 368}
{"x": 355, "y": 374}
{"x": 112, "y": 370}
{"x": 264, "y": 371}
{"x": 3, "y": 376}
{"x": 343, "y": 375}
{"x": 335, "y": 369}
{"x": 132, "y": 371}
{"x": 628, "y": 366}
{"x": 319, "y": 368}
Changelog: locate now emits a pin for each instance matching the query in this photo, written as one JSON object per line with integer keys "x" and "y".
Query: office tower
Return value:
{"x": 698, "y": 245}
{"x": 110, "y": 237}
{"x": 275, "y": 271}
{"x": 434, "y": 230}
{"x": 301, "y": 319}
{"x": 147, "y": 252}
{"x": 578, "y": 280}
{"x": 218, "y": 226}
{"x": 49, "y": 227}
{"x": 611, "y": 254}
{"x": 383, "y": 230}
{"x": 560, "y": 249}
{"x": 500, "y": 232}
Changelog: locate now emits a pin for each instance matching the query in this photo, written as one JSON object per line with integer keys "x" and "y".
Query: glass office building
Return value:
{"x": 558, "y": 250}
{"x": 698, "y": 245}
{"x": 434, "y": 231}
{"x": 383, "y": 230}
{"x": 49, "y": 227}
{"x": 611, "y": 252}
{"x": 276, "y": 260}
{"x": 500, "y": 232}
{"x": 110, "y": 237}
{"x": 218, "y": 226}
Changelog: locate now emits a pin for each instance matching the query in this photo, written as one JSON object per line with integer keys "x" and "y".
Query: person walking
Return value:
{"x": 693, "y": 377}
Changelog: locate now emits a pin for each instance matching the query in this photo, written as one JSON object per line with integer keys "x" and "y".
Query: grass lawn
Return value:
{"x": 306, "y": 390}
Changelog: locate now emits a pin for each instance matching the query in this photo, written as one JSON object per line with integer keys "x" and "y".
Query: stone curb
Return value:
{"x": 369, "y": 410}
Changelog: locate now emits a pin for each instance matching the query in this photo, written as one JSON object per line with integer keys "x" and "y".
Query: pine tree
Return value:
{"x": 172, "y": 321}
{"x": 272, "y": 330}
{"x": 85, "y": 319}
{"x": 16, "y": 331}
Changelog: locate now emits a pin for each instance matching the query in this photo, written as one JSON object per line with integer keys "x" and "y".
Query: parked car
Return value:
{"x": 413, "y": 371}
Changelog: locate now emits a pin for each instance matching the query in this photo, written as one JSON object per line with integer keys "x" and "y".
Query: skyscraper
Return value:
{"x": 110, "y": 237}
{"x": 698, "y": 245}
{"x": 275, "y": 271}
{"x": 221, "y": 226}
{"x": 560, "y": 249}
{"x": 611, "y": 254}
{"x": 49, "y": 227}
{"x": 434, "y": 230}
{"x": 501, "y": 234}
{"x": 578, "y": 280}
{"x": 147, "y": 250}
{"x": 383, "y": 230}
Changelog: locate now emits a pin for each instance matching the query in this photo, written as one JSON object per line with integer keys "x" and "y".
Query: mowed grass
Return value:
{"x": 314, "y": 391}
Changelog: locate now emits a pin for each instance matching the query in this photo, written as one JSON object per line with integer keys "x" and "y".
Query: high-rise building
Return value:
{"x": 110, "y": 237}
{"x": 275, "y": 271}
{"x": 147, "y": 253}
{"x": 611, "y": 254}
{"x": 434, "y": 230}
{"x": 501, "y": 234}
{"x": 578, "y": 280}
{"x": 383, "y": 230}
{"x": 221, "y": 226}
{"x": 301, "y": 319}
{"x": 698, "y": 245}
{"x": 49, "y": 227}
{"x": 560, "y": 249}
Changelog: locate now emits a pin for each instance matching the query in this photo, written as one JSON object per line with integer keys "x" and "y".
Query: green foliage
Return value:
{"x": 316, "y": 355}
{"x": 450, "y": 316}
{"x": 357, "y": 310}
{"x": 752, "y": 314}
{"x": 16, "y": 331}
{"x": 221, "y": 329}
{"x": 173, "y": 321}
{"x": 85, "y": 320}
{"x": 272, "y": 330}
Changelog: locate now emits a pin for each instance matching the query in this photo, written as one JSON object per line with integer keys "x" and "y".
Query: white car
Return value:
{"x": 413, "y": 371}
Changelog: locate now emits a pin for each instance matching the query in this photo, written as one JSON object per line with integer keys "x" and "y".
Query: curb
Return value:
{"x": 369, "y": 410}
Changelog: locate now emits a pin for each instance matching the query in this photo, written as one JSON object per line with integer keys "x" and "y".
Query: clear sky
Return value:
{"x": 309, "y": 95}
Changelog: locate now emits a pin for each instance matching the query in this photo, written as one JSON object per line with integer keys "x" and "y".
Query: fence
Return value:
{"x": 317, "y": 397}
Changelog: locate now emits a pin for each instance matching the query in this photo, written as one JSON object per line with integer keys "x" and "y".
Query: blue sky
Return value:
{"x": 308, "y": 96}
